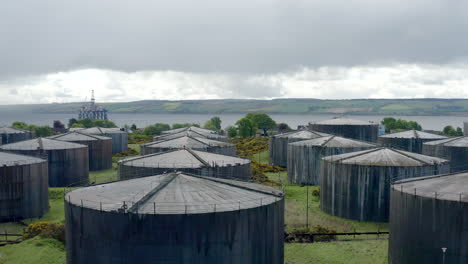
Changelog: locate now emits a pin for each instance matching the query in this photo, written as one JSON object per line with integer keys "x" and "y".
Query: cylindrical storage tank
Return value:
{"x": 195, "y": 132}
{"x": 196, "y": 143}
{"x": 348, "y": 128}
{"x": 278, "y": 145}
{"x": 453, "y": 149}
{"x": 11, "y": 135}
{"x": 411, "y": 140}
{"x": 357, "y": 185}
{"x": 67, "y": 162}
{"x": 465, "y": 128}
{"x": 24, "y": 187}
{"x": 175, "y": 218}
{"x": 186, "y": 160}
{"x": 304, "y": 157}
{"x": 118, "y": 135}
{"x": 428, "y": 215}
{"x": 100, "y": 148}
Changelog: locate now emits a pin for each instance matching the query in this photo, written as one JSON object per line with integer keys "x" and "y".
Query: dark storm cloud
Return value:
{"x": 254, "y": 36}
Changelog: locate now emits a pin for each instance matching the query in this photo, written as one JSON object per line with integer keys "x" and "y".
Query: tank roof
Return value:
{"x": 183, "y": 158}
{"x": 385, "y": 157}
{"x": 9, "y": 159}
{"x": 452, "y": 187}
{"x": 9, "y": 130}
{"x": 191, "y": 128}
{"x": 190, "y": 131}
{"x": 344, "y": 121}
{"x": 333, "y": 142}
{"x": 78, "y": 136}
{"x": 186, "y": 142}
{"x": 413, "y": 134}
{"x": 174, "y": 193}
{"x": 450, "y": 142}
{"x": 305, "y": 134}
{"x": 42, "y": 144}
{"x": 99, "y": 130}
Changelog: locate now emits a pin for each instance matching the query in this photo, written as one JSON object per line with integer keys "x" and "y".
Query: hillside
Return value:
{"x": 278, "y": 106}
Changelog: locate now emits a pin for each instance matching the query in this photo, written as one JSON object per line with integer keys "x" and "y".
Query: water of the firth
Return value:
{"x": 142, "y": 120}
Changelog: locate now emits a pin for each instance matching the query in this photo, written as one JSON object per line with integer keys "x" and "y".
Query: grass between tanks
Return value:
{"x": 37, "y": 250}
{"x": 341, "y": 252}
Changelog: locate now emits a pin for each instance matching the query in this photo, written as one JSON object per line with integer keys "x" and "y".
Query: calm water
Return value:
{"x": 142, "y": 120}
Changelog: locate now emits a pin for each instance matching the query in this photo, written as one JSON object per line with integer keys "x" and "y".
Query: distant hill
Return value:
{"x": 277, "y": 106}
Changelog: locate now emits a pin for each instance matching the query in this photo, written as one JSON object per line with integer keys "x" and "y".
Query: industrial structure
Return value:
{"x": 305, "y": 157}
{"x": 187, "y": 160}
{"x": 411, "y": 140}
{"x": 67, "y": 162}
{"x": 23, "y": 187}
{"x": 454, "y": 149}
{"x": 278, "y": 144}
{"x": 119, "y": 136}
{"x": 356, "y": 185}
{"x": 196, "y": 143}
{"x": 175, "y": 218}
{"x": 11, "y": 135}
{"x": 348, "y": 128}
{"x": 429, "y": 220}
{"x": 92, "y": 111}
{"x": 100, "y": 148}
{"x": 194, "y": 131}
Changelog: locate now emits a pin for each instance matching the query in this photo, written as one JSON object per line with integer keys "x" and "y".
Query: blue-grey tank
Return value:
{"x": 67, "y": 162}
{"x": 305, "y": 157}
{"x": 119, "y": 136}
{"x": 23, "y": 187}
{"x": 186, "y": 160}
{"x": 428, "y": 215}
{"x": 348, "y": 128}
{"x": 356, "y": 185}
{"x": 175, "y": 218}
{"x": 193, "y": 131}
{"x": 188, "y": 142}
{"x": 411, "y": 140}
{"x": 11, "y": 135}
{"x": 454, "y": 149}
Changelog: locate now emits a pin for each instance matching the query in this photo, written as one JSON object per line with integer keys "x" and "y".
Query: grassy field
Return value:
{"x": 37, "y": 250}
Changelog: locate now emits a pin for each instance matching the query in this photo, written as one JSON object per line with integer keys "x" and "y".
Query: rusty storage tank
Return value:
{"x": 454, "y": 149}
{"x": 175, "y": 218}
{"x": 196, "y": 143}
{"x": 24, "y": 187}
{"x": 426, "y": 215}
{"x": 278, "y": 145}
{"x": 100, "y": 148}
{"x": 119, "y": 137}
{"x": 304, "y": 157}
{"x": 411, "y": 140}
{"x": 348, "y": 128}
{"x": 357, "y": 185}
{"x": 197, "y": 132}
{"x": 11, "y": 135}
{"x": 187, "y": 160}
{"x": 67, "y": 162}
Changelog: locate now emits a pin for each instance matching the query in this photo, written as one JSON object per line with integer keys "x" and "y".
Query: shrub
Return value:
{"x": 316, "y": 193}
{"x": 45, "y": 229}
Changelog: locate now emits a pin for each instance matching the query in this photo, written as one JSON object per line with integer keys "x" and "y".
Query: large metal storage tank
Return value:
{"x": 453, "y": 149}
{"x": 11, "y": 135}
{"x": 67, "y": 162}
{"x": 304, "y": 157}
{"x": 278, "y": 144}
{"x": 196, "y": 143}
{"x": 411, "y": 140}
{"x": 100, "y": 148}
{"x": 348, "y": 128}
{"x": 192, "y": 161}
{"x": 24, "y": 187}
{"x": 199, "y": 132}
{"x": 427, "y": 215}
{"x": 118, "y": 135}
{"x": 357, "y": 185}
{"x": 175, "y": 218}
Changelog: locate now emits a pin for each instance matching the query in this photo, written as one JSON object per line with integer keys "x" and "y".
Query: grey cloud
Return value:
{"x": 255, "y": 36}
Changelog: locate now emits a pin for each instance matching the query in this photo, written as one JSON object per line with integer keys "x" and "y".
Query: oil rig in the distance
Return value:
{"x": 92, "y": 111}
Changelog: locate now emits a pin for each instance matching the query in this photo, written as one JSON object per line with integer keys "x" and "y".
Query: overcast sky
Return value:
{"x": 57, "y": 51}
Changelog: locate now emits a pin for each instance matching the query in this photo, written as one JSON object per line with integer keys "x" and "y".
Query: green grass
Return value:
{"x": 104, "y": 175}
{"x": 37, "y": 250}
{"x": 135, "y": 147}
{"x": 341, "y": 252}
